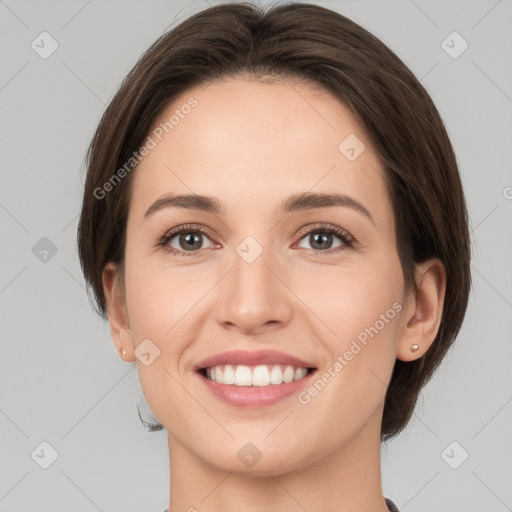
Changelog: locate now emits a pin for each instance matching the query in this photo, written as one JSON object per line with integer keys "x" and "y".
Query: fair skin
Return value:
{"x": 251, "y": 145}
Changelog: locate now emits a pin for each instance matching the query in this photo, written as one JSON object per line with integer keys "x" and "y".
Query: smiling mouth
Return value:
{"x": 259, "y": 376}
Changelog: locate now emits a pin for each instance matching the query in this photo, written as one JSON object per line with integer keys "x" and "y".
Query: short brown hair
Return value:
{"x": 316, "y": 45}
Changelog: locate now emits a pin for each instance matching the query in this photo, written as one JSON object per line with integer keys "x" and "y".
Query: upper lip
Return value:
{"x": 252, "y": 358}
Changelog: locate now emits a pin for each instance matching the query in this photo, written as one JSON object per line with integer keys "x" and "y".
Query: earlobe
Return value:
{"x": 423, "y": 313}
{"x": 117, "y": 314}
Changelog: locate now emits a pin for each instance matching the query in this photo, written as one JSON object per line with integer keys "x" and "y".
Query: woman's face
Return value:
{"x": 257, "y": 278}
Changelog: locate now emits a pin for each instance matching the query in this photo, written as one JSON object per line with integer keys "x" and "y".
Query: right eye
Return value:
{"x": 187, "y": 240}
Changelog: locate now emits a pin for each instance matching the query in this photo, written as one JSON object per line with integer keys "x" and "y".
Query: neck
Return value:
{"x": 347, "y": 479}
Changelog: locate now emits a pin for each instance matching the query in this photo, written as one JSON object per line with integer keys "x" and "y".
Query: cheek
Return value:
{"x": 362, "y": 308}
{"x": 158, "y": 295}
{"x": 349, "y": 298}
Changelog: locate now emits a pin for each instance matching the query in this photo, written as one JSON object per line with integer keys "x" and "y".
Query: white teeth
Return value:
{"x": 299, "y": 373}
{"x": 229, "y": 375}
{"x": 288, "y": 374}
{"x": 242, "y": 376}
{"x": 276, "y": 375}
{"x": 261, "y": 375}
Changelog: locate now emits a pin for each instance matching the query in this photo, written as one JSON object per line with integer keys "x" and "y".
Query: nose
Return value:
{"x": 254, "y": 298}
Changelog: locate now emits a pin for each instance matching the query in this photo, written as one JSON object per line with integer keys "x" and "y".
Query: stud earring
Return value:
{"x": 123, "y": 351}
{"x": 414, "y": 348}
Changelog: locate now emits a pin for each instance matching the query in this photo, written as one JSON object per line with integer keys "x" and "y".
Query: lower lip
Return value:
{"x": 255, "y": 396}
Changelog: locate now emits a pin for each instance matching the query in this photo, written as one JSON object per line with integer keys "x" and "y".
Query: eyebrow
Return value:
{"x": 296, "y": 202}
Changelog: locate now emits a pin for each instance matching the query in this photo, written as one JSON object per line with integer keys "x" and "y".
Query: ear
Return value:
{"x": 423, "y": 311}
{"x": 117, "y": 312}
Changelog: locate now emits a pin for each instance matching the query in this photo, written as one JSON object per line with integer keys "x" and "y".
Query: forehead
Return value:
{"x": 252, "y": 143}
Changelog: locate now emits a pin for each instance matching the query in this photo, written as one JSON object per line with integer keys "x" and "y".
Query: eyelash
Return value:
{"x": 347, "y": 239}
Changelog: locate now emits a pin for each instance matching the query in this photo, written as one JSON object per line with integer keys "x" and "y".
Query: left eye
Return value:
{"x": 321, "y": 239}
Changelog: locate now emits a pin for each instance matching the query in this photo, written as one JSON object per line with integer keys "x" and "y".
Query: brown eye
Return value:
{"x": 184, "y": 240}
{"x": 322, "y": 238}
{"x": 188, "y": 241}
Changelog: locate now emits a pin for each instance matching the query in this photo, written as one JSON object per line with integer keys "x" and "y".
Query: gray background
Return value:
{"x": 62, "y": 381}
